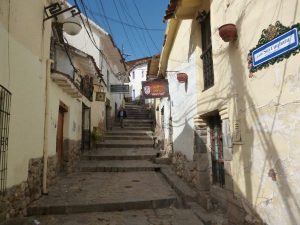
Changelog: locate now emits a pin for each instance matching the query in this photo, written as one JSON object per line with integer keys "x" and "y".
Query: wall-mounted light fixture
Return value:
{"x": 71, "y": 23}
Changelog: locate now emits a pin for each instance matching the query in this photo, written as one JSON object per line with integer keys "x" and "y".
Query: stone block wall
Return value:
{"x": 17, "y": 198}
{"x": 72, "y": 152}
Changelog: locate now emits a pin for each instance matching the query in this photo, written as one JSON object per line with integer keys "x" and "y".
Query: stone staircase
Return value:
{"x": 118, "y": 174}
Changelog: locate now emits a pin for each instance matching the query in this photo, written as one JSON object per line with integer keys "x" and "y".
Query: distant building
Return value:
{"x": 137, "y": 70}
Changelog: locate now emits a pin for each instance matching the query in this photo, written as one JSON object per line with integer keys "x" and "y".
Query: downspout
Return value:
{"x": 45, "y": 147}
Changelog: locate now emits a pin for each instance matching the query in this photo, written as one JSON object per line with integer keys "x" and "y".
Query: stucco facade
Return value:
{"x": 259, "y": 114}
{"x": 53, "y": 106}
{"x": 25, "y": 45}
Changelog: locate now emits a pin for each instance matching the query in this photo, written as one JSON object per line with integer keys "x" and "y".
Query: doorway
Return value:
{"x": 86, "y": 128}
{"x": 108, "y": 115}
{"x": 60, "y": 137}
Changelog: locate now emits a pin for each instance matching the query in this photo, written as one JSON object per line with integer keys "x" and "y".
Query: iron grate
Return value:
{"x": 5, "y": 101}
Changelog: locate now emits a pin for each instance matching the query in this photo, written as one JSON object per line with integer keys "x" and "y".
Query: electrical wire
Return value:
{"x": 65, "y": 41}
{"x": 134, "y": 36}
{"x": 121, "y": 22}
{"x": 88, "y": 22}
{"x": 142, "y": 36}
{"x": 8, "y": 45}
{"x": 110, "y": 30}
{"x": 124, "y": 28}
{"x": 138, "y": 11}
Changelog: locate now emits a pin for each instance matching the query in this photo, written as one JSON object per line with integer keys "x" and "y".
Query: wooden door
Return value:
{"x": 60, "y": 136}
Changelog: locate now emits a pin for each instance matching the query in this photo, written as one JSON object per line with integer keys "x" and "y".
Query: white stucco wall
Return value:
{"x": 72, "y": 118}
{"x": 140, "y": 74}
{"x": 23, "y": 70}
{"x": 183, "y": 96}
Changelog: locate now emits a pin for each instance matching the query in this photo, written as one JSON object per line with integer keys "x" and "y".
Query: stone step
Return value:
{"x": 99, "y": 192}
{"x": 123, "y": 137}
{"x": 138, "y": 117}
{"x": 118, "y": 166}
{"x": 133, "y": 124}
{"x": 146, "y": 121}
{"x": 129, "y": 217}
{"x": 134, "y": 113}
{"x": 126, "y": 132}
{"x": 125, "y": 144}
{"x": 132, "y": 128}
{"x": 120, "y": 154}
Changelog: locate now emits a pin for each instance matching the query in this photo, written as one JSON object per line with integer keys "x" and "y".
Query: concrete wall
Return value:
{"x": 24, "y": 49}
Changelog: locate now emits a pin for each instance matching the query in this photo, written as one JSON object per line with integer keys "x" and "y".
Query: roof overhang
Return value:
{"x": 183, "y": 9}
{"x": 177, "y": 10}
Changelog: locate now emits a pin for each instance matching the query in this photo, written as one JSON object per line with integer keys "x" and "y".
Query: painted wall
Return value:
{"x": 266, "y": 106}
{"x": 72, "y": 118}
{"x": 183, "y": 96}
{"x": 137, "y": 75}
{"x": 109, "y": 64}
{"x": 24, "y": 50}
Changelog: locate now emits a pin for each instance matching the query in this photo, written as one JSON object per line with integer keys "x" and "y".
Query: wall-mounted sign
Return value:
{"x": 119, "y": 88}
{"x": 280, "y": 45}
{"x": 100, "y": 96}
{"x": 276, "y": 43}
{"x": 155, "y": 89}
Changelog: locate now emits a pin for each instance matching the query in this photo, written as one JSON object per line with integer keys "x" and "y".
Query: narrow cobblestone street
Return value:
{"x": 118, "y": 184}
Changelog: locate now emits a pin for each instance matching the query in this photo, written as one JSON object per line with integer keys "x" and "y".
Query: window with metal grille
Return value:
{"x": 5, "y": 97}
{"x": 208, "y": 71}
{"x": 216, "y": 145}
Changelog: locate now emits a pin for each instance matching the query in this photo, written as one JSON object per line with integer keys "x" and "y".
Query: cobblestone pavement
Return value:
{"x": 169, "y": 216}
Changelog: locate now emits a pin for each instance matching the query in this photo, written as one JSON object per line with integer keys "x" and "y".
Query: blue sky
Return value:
{"x": 136, "y": 25}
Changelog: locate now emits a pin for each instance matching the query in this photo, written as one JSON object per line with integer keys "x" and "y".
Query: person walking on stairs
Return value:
{"x": 121, "y": 115}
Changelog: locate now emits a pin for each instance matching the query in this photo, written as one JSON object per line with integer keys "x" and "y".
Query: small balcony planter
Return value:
{"x": 228, "y": 32}
{"x": 182, "y": 77}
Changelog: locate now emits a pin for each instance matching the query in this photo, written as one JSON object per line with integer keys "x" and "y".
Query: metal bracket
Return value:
{"x": 56, "y": 9}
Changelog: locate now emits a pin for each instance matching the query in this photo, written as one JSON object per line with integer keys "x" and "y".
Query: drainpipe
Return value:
{"x": 45, "y": 147}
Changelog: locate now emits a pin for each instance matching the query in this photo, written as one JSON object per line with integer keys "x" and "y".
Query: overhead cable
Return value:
{"x": 138, "y": 11}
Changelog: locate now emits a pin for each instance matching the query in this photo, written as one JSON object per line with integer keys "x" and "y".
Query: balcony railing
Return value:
{"x": 63, "y": 72}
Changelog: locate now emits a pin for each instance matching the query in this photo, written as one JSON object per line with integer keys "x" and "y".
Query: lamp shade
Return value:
{"x": 72, "y": 25}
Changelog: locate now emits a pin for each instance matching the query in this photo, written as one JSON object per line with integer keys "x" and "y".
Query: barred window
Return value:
{"x": 216, "y": 145}
{"x": 5, "y": 97}
{"x": 208, "y": 72}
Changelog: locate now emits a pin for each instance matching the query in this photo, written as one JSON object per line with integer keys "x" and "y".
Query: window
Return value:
{"x": 206, "y": 56}
{"x": 142, "y": 73}
{"x": 133, "y": 75}
{"x": 5, "y": 97}
{"x": 216, "y": 145}
{"x": 107, "y": 80}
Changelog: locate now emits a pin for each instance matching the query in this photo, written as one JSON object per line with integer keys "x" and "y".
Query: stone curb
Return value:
{"x": 102, "y": 207}
{"x": 118, "y": 169}
{"x": 181, "y": 188}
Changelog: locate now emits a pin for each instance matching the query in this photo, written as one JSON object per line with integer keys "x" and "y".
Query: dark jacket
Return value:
{"x": 124, "y": 113}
